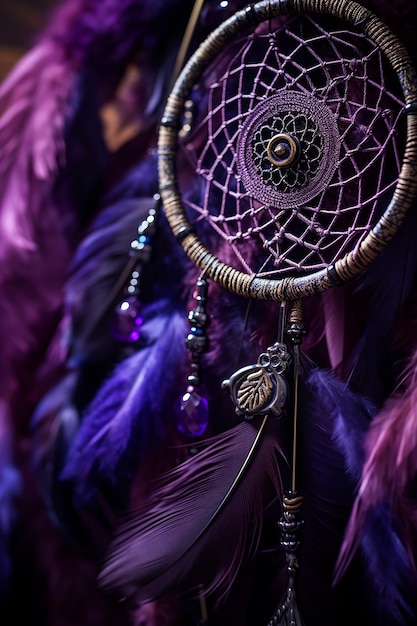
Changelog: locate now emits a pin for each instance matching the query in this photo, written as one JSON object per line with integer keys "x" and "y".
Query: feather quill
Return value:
{"x": 171, "y": 544}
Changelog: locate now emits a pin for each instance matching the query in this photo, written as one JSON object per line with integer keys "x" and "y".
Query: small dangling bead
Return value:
{"x": 191, "y": 409}
{"x": 191, "y": 413}
{"x": 127, "y": 320}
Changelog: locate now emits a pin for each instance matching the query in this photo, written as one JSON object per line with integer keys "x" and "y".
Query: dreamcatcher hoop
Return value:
{"x": 288, "y": 288}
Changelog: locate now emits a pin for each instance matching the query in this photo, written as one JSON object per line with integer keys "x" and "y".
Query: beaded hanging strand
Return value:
{"x": 191, "y": 409}
{"x": 127, "y": 317}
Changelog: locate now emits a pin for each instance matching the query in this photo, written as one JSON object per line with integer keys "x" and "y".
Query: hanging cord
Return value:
{"x": 186, "y": 40}
{"x": 296, "y": 333}
{"x": 295, "y": 417}
{"x": 291, "y": 522}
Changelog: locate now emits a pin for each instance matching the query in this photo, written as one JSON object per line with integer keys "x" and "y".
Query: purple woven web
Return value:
{"x": 280, "y": 229}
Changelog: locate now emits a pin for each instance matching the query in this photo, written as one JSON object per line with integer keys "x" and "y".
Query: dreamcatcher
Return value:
{"x": 283, "y": 123}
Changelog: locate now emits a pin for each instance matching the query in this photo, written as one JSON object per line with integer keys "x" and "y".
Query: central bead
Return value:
{"x": 283, "y": 150}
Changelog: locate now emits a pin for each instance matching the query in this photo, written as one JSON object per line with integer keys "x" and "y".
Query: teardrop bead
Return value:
{"x": 191, "y": 414}
{"x": 127, "y": 320}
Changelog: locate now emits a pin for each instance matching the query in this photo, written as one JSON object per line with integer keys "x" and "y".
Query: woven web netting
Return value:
{"x": 329, "y": 96}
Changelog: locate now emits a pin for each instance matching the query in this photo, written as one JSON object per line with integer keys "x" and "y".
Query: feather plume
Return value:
{"x": 98, "y": 275}
{"x": 34, "y": 102}
{"x": 171, "y": 543}
{"x": 37, "y": 107}
{"x": 85, "y": 49}
{"x": 126, "y": 416}
{"x": 33, "y": 107}
{"x": 333, "y": 424}
{"x": 53, "y": 426}
{"x": 389, "y": 472}
{"x": 85, "y": 337}
{"x": 376, "y": 306}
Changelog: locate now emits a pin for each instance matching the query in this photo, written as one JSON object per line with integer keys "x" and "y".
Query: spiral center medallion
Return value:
{"x": 288, "y": 149}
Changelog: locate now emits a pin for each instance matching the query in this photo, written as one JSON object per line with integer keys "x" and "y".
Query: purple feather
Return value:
{"x": 392, "y": 588}
{"x": 33, "y": 106}
{"x": 34, "y": 102}
{"x": 101, "y": 36}
{"x": 45, "y": 105}
{"x": 95, "y": 273}
{"x": 333, "y": 426}
{"x": 104, "y": 32}
{"x": 86, "y": 338}
{"x": 382, "y": 303}
{"x": 171, "y": 544}
{"x": 389, "y": 471}
{"x": 131, "y": 410}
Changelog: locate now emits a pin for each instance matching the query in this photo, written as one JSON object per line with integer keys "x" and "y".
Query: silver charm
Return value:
{"x": 261, "y": 389}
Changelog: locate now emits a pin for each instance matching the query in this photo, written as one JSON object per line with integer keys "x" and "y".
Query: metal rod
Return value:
{"x": 186, "y": 40}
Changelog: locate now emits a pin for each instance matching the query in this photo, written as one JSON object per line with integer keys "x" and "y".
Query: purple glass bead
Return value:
{"x": 191, "y": 412}
{"x": 127, "y": 320}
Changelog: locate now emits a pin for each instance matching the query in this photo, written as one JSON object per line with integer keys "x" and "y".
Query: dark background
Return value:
{"x": 20, "y": 22}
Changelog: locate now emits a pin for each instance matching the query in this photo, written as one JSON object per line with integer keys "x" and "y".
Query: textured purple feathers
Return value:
{"x": 132, "y": 411}
{"x": 49, "y": 142}
{"x": 103, "y": 34}
{"x": 331, "y": 457}
{"x": 128, "y": 414}
{"x": 171, "y": 544}
{"x": 389, "y": 472}
{"x": 34, "y": 103}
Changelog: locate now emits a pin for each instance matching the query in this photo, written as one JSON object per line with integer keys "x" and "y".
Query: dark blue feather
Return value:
{"x": 376, "y": 305}
{"x": 9, "y": 490}
{"x": 95, "y": 277}
{"x": 132, "y": 409}
{"x": 333, "y": 423}
{"x": 390, "y": 574}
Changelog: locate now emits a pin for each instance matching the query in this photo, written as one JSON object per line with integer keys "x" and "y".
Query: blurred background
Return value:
{"x": 20, "y": 21}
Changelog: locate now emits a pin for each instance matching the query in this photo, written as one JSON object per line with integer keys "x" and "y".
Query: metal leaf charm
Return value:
{"x": 255, "y": 392}
{"x": 261, "y": 389}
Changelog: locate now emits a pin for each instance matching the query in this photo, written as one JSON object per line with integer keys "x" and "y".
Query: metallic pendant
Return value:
{"x": 261, "y": 389}
{"x": 287, "y": 613}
